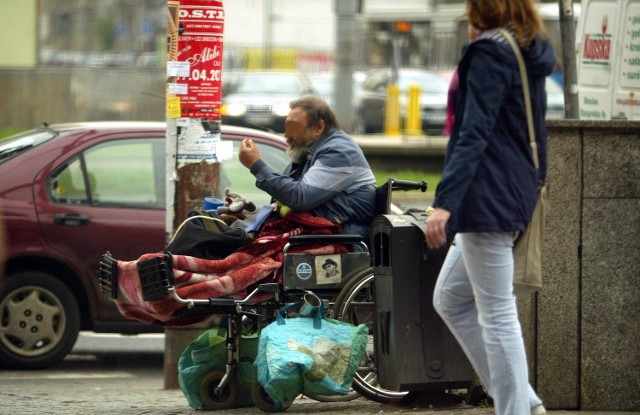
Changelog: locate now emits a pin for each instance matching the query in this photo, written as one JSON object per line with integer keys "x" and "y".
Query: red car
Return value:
{"x": 70, "y": 192}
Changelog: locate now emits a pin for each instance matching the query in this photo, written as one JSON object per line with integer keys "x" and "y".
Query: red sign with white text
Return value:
{"x": 200, "y": 40}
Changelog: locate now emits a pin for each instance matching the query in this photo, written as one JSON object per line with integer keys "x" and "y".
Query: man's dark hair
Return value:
{"x": 317, "y": 109}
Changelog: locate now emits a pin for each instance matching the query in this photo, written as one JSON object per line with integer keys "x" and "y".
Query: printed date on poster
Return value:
{"x": 205, "y": 75}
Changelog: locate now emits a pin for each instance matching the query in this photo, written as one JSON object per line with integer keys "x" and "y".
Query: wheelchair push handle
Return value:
{"x": 408, "y": 185}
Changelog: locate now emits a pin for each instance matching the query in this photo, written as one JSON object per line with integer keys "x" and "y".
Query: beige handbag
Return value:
{"x": 527, "y": 250}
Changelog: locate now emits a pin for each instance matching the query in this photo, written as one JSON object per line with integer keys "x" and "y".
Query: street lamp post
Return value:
{"x": 346, "y": 11}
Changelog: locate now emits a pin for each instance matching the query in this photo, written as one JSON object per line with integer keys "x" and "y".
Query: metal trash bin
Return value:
{"x": 415, "y": 351}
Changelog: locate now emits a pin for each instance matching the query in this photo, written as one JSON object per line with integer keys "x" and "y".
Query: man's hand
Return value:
{"x": 434, "y": 233}
{"x": 248, "y": 153}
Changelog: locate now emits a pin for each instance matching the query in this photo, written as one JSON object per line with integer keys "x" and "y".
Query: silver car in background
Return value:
{"x": 262, "y": 98}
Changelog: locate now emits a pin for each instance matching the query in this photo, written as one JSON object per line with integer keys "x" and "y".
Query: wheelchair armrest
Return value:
{"x": 228, "y": 302}
{"x": 272, "y": 287}
{"x": 325, "y": 239}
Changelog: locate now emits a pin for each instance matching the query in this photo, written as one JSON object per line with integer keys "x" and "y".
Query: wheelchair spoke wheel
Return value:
{"x": 263, "y": 401}
{"x": 226, "y": 399}
{"x": 355, "y": 304}
{"x": 351, "y": 395}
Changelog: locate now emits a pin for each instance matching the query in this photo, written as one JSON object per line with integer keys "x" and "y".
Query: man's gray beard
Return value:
{"x": 298, "y": 154}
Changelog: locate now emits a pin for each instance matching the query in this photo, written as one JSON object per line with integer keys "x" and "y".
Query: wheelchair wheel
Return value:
{"x": 263, "y": 401}
{"x": 225, "y": 400}
{"x": 355, "y": 304}
{"x": 351, "y": 395}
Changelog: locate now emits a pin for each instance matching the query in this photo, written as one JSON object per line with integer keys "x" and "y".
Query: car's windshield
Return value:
{"x": 429, "y": 84}
{"x": 11, "y": 146}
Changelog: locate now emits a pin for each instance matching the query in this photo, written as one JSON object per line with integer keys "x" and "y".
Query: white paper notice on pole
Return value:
{"x": 178, "y": 68}
{"x": 178, "y": 89}
{"x": 195, "y": 144}
{"x": 224, "y": 150}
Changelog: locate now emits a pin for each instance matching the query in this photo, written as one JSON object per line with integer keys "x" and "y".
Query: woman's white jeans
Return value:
{"x": 474, "y": 296}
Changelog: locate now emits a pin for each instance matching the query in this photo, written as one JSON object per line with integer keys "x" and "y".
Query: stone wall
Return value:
{"x": 583, "y": 331}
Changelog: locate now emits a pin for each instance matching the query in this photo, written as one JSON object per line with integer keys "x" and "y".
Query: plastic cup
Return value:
{"x": 213, "y": 202}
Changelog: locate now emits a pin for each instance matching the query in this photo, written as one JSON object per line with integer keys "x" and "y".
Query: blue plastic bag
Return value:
{"x": 311, "y": 355}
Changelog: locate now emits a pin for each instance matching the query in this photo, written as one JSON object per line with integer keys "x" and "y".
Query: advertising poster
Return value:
{"x": 194, "y": 78}
{"x": 194, "y": 59}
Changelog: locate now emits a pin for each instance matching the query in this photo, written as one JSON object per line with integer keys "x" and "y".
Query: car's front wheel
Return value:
{"x": 39, "y": 321}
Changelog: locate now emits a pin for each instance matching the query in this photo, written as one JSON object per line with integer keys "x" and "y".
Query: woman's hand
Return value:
{"x": 435, "y": 231}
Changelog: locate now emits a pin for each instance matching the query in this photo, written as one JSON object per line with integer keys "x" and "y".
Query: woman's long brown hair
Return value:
{"x": 521, "y": 15}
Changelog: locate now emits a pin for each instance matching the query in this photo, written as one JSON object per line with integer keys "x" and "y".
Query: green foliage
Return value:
{"x": 105, "y": 30}
{"x": 6, "y": 132}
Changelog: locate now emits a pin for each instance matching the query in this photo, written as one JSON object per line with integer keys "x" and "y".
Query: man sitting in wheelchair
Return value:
{"x": 328, "y": 188}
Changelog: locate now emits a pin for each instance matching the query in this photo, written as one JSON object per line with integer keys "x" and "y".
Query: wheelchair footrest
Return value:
{"x": 156, "y": 276}
{"x": 108, "y": 276}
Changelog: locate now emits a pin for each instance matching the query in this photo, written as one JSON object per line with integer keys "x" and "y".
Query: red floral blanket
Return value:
{"x": 234, "y": 276}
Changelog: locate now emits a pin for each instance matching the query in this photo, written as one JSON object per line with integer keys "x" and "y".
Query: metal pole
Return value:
{"x": 568, "y": 36}
{"x": 345, "y": 61}
{"x": 268, "y": 33}
{"x": 189, "y": 181}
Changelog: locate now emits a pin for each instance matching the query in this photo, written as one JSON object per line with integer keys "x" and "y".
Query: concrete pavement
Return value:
{"x": 134, "y": 387}
{"x": 128, "y": 382}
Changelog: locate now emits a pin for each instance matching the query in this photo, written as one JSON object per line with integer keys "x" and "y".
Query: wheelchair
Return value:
{"x": 346, "y": 295}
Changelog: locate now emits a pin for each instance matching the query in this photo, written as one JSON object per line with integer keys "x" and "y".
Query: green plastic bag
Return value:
{"x": 207, "y": 353}
{"x": 311, "y": 355}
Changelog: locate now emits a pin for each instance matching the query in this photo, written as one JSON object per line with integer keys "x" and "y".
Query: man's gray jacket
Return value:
{"x": 335, "y": 182}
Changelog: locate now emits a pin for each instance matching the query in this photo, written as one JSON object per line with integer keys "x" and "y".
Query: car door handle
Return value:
{"x": 71, "y": 219}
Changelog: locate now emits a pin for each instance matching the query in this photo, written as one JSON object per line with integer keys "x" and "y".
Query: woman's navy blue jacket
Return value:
{"x": 489, "y": 181}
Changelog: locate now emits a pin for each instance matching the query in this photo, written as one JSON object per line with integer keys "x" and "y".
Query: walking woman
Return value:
{"x": 487, "y": 196}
